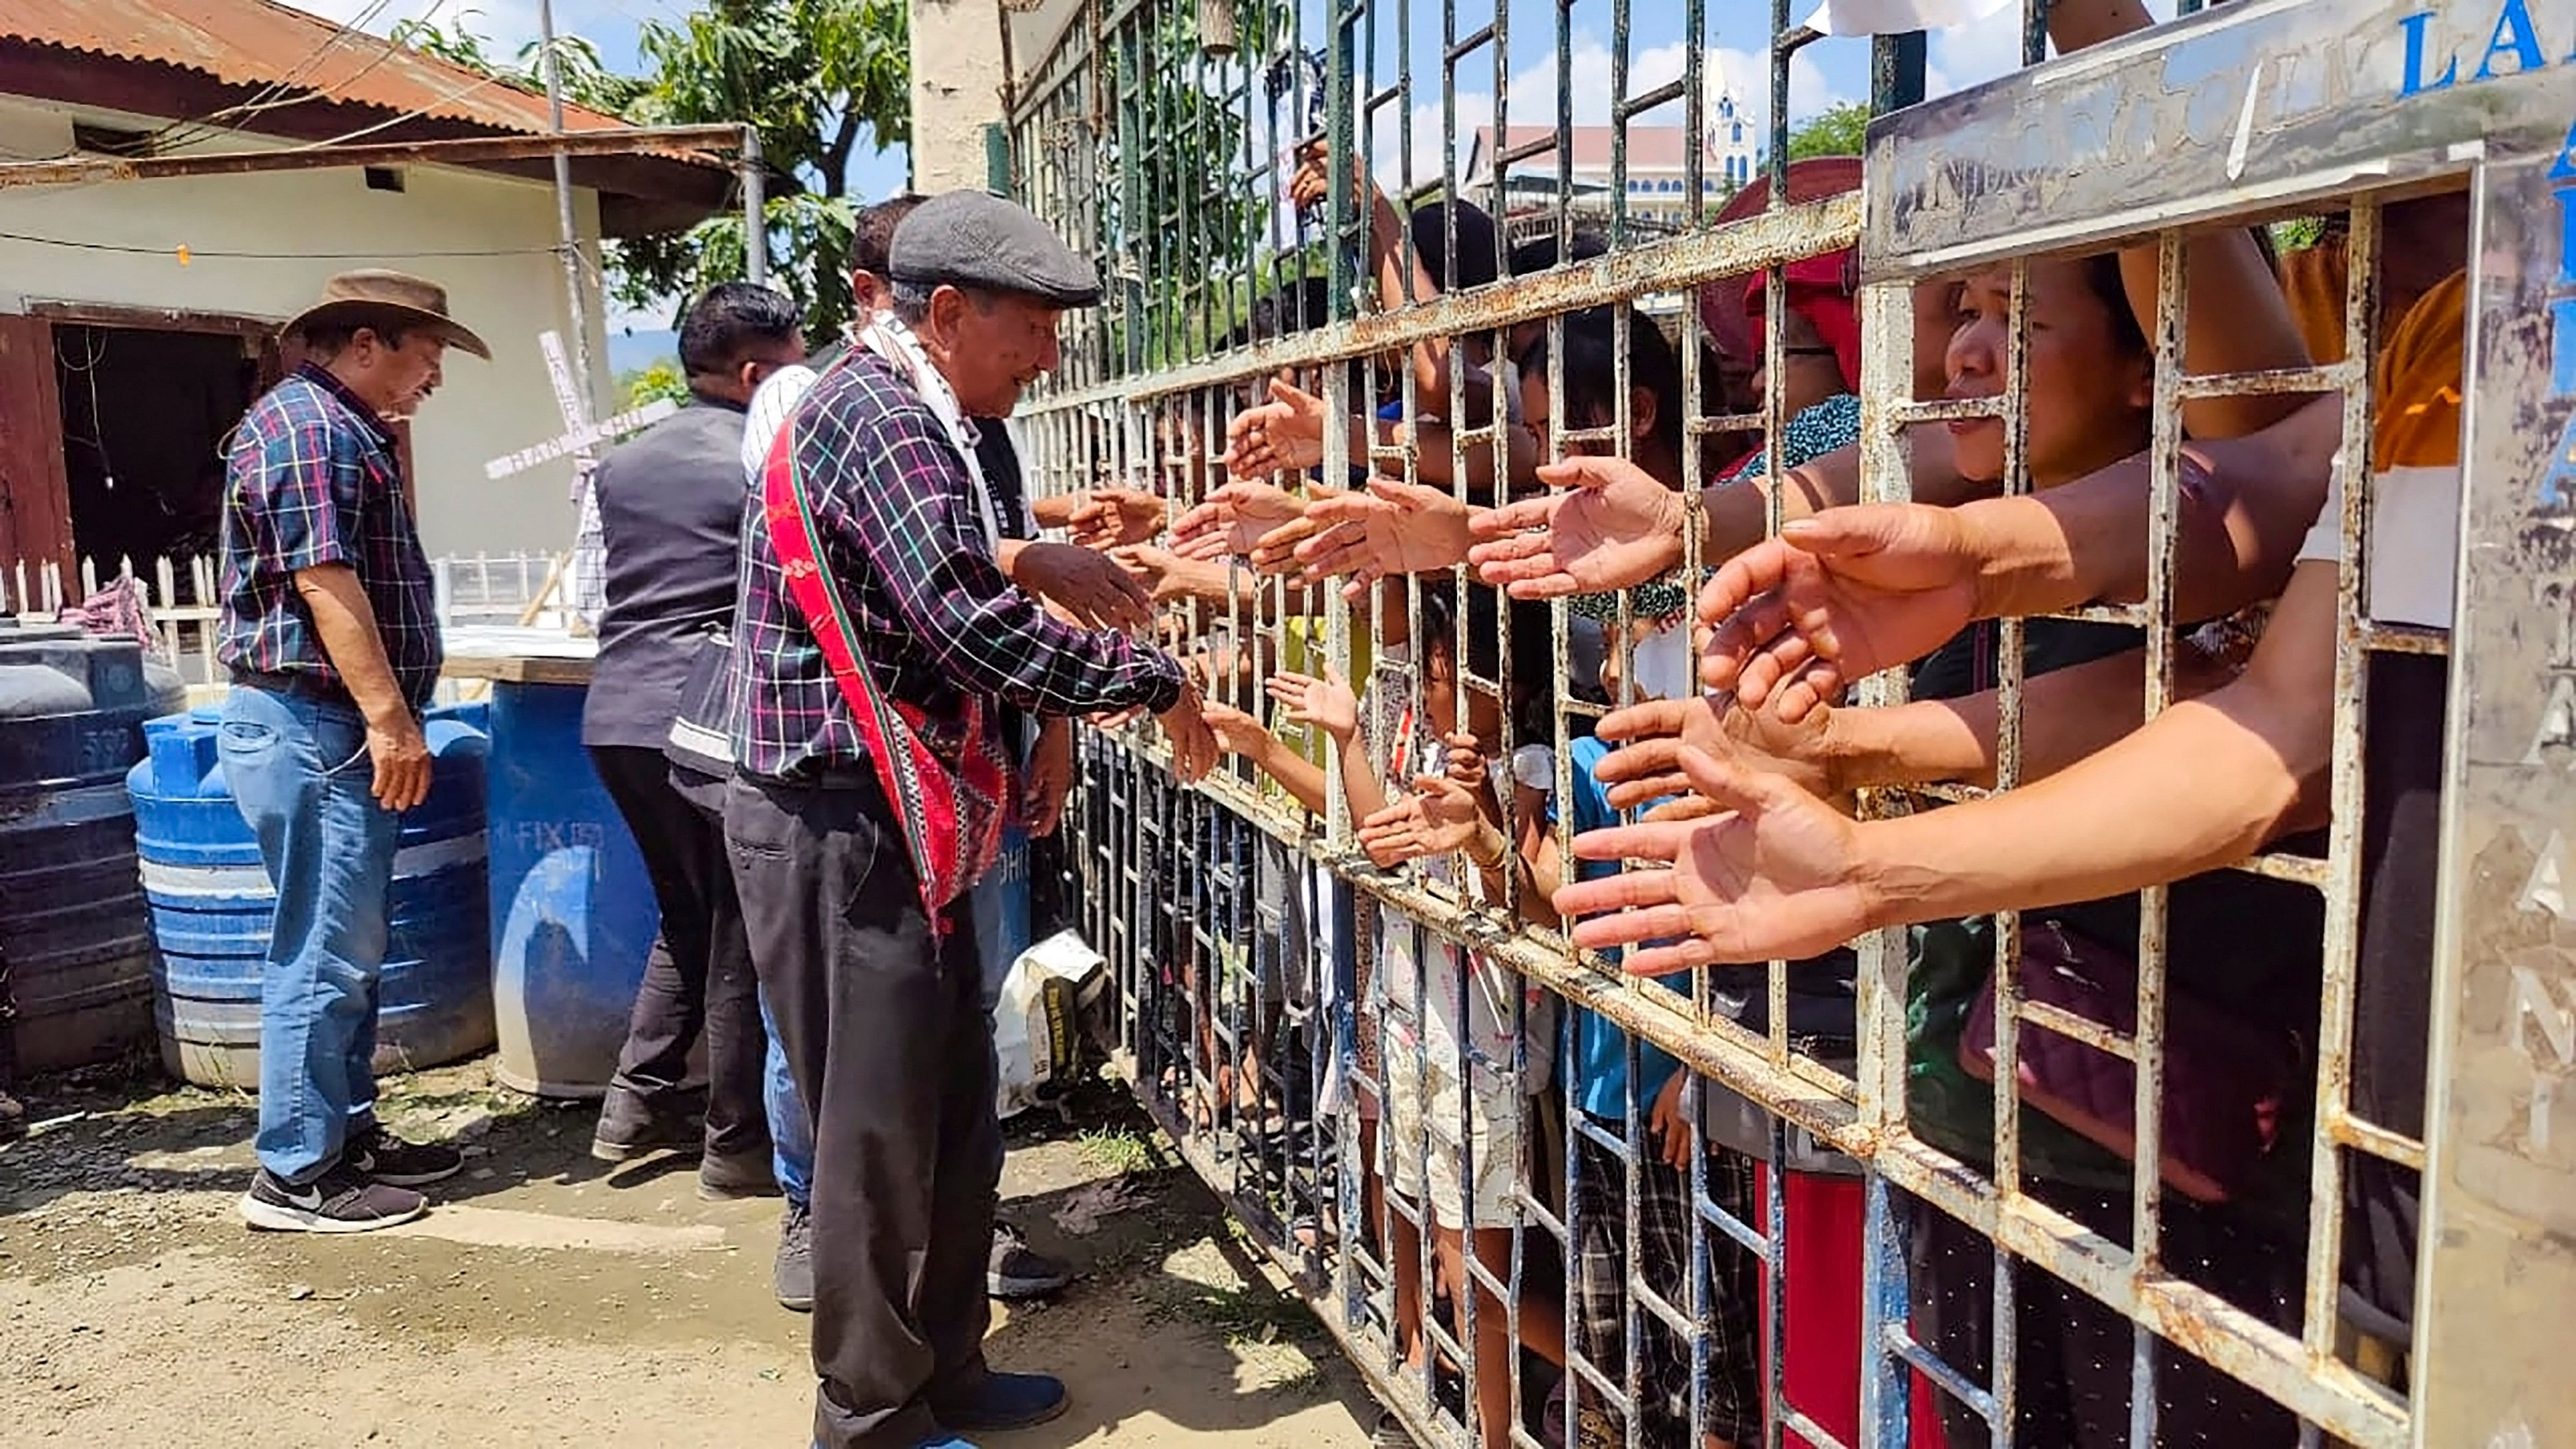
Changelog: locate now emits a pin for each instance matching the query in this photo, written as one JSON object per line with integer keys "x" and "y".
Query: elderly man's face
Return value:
{"x": 998, "y": 343}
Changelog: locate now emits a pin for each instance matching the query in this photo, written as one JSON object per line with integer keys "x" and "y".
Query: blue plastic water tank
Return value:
{"x": 573, "y": 914}
{"x": 75, "y": 951}
{"x": 212, "y": 907}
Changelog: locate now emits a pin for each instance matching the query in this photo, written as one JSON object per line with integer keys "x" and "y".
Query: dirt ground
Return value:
{"x": 553, "y": 1300}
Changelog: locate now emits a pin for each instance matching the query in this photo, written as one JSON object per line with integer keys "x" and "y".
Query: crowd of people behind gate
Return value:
{"x": 839, "y": 667}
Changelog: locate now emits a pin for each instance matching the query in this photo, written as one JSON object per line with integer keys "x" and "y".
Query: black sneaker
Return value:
{"x": 793, "y": 1274}
{"x": 396, "y": 1163}
{"x": 631, "y": 1126}
{"x": 342, "y": 1200}
{"x": 1020, "y": 1271}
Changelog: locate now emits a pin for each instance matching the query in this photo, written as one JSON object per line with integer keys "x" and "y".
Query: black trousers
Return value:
{"x": 698, "y": 977}
{"x": 2073, "y": 1354}
{"x": 882, "y": 1020}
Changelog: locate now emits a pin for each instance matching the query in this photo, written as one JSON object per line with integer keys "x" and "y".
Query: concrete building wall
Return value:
{"x": 957, "y": 79}
{"x": 484, "y": 409}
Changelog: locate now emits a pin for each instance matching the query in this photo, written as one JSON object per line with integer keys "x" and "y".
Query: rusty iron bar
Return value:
{"x": 1770, "y": 239}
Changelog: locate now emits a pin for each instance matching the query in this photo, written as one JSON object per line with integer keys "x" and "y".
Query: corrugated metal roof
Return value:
{"x": 256, "y": 43}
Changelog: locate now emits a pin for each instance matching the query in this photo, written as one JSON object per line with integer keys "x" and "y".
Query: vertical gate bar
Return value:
{"x": 2353, "y": 466}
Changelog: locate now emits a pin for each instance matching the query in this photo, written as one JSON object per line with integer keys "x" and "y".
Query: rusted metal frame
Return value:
{"x": 1673, "y": 264}
{"x": 2164, "y": 470}
{"x": 2354, "y": 467}
{"x": 675, "y": 143}
{"x": 2085, "y": 1029}
{"x": 2023, "y": 1228}
{"x": 2403, "y": 639}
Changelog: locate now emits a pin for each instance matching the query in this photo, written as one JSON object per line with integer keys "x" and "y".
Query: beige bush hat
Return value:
{"x": 357, "y": 299}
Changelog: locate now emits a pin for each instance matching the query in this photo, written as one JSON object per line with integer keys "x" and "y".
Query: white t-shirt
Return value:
{"x": 2414, "y": 544}
{"x": 771, "y": 405}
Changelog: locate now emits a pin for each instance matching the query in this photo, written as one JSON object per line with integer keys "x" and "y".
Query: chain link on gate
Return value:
{"x": 1404, "y": 1080}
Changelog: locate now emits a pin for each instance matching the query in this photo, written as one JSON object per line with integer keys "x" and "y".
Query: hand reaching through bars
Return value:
{"x": 1193, "y": 742}
{"x": 1614, "y": 525}
{"x": 1440, "y": 816}
{"x": 1836, "y": 597}
{"x": 1778, "y": 874}
{"x": 1107, "y": 518}
{"x": 1646, "y": 769}
{"x": 1669, "y": 1124}
{"x": 1237, "y": 733}
{"x": 1283, "y": 435}
{"x": 1388, "y": 528}
{"x": 1326, "y": 704}
{"x": 1091, "y": 588}
{"x": 1235, "y": 520}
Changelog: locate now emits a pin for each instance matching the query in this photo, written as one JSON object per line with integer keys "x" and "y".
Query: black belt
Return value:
{"x": 299, "y": 684}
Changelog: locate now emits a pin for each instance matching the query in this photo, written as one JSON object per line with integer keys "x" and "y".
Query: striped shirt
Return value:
{"x": 311, "y": 480}
{"x": 936, "y": 620}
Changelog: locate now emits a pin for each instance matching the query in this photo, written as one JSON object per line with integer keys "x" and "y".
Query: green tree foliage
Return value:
{"x": 654, "y": 382}
{"x": 1835, "y": 131}
{"x": 818, "y": 78}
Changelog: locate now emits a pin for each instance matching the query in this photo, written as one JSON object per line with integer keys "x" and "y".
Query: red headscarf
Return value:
{"x": 1820, "y": 288}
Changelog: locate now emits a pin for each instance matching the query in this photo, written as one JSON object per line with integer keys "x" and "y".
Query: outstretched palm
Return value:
{"x": 1389, "y": 528}
{"x": 1777, "y": 875}
{"x": 1835, "y": 598}
{"x": 1439, "y": 818}
{"x": 1616, "y": 526}
{"x": 1234, "y": 519}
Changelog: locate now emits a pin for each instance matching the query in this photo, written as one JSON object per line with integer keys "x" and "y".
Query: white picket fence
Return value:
{"x": 482, "y": 588}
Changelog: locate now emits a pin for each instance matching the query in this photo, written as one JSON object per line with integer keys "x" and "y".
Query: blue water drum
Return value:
{"x": 75, "y": 948}
{"x": 573, "y": 914}
{"x": 1000, "y": 906}
{"x": 212, "y": 906}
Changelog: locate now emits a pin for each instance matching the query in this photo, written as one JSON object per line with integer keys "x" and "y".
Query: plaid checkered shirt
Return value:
{"x": 936, "y": 619}
{"x": 311, "y": 480}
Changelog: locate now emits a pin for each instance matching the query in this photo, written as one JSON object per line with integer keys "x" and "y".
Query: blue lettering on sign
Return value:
{"x": 2415, "y": 25}
{"x": 2558, "y": 482}
{"x": 2513, "y": 21}
{"x": 2513, "y": 39}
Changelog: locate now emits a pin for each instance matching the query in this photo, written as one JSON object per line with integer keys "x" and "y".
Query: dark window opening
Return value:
{"x": 146, "y": 415}
{"x": 384, "y": 178}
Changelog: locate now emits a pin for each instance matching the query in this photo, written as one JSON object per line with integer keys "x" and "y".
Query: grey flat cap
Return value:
{"x": 971, "y": 239}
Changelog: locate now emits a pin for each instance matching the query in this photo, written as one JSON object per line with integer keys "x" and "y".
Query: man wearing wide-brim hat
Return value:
{"x": 329, "y": 628}
{"x": 876, "y": 639}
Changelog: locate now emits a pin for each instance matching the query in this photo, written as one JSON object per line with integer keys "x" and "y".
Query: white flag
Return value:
{"x": 1895, "y": 17}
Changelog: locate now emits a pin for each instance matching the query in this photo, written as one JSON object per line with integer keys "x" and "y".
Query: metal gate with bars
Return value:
{"x": 1251, "y": 935}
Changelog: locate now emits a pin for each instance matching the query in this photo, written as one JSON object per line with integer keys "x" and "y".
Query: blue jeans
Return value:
{"x": 791, "y": 1128}
{"x": 300, "y": 772}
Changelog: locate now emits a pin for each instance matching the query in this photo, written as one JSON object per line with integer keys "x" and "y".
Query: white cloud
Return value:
{"x": 1972, "y": 54}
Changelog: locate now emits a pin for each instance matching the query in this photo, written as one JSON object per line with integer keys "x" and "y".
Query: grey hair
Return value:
{"x": 912, "y": 299}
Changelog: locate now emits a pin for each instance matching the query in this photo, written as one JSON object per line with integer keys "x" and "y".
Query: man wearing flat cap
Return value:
{"x": 876, "y": 642}
{"x": 329, "y": 628}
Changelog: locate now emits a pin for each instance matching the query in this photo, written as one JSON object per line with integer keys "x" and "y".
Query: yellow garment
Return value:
{"x": 2417, "y": 391}
{"x": 2313, "y": 281}
{"x": 1301, "y": 651}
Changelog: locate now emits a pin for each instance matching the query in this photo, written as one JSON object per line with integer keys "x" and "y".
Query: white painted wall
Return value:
{"x": 484, "y": 410}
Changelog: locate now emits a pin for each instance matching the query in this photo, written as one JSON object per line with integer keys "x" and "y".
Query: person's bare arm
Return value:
{"x": 2067, "y": 715}
{"x": 2235, "y": 319}
{"x": 2088, "y": 541}
{"x": 2205, "y": 783}
{"x": 1302, "y": 778}
{"x": 1736, "y": 516}
{"x": 346, "y": 623}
